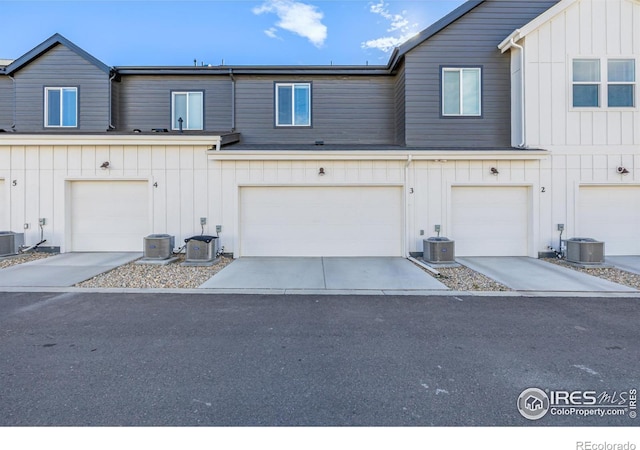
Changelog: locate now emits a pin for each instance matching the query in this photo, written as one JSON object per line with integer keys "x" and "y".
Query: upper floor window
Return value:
{"x": 188, "y": 108}
{"x": 591, "y": 76}
{"x": 293, "y": 104}
{"x": 61, "y": 107}
{"x": 461, "y": 91}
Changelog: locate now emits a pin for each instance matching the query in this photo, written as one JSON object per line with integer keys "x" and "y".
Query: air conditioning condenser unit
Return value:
{"x": 10, "y": 243}
{"x": 585, "y": 251}
{"x": 201, "y": 249}
{"x": 158, "y": 246}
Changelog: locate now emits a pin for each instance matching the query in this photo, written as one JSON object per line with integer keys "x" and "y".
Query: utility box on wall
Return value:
{"x": 438, "y": 250}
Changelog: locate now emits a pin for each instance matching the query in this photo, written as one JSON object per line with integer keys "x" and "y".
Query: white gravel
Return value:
{"x": 147, "y": 276}
{"x": 465, "y": 279}
{"x": 607, "y": 273}
{"x": 23, "y": 258}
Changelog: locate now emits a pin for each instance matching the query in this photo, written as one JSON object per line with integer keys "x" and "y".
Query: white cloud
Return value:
{"x": 398, "y": 23}
{"x": 297, "y": 17}
{"x": 272, "y": 33}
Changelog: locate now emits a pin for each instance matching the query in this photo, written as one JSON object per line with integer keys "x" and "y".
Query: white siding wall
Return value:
{"x": 587, "y": 29}
{"x": 41, "y": 173}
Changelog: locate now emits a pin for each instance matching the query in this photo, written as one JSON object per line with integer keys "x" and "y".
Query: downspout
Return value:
{"x": 407, "y": 193}
{"x": 111, "y": 126}
{"x": 523, "y": 140}
{"x": 233, "y": 101}
{"x": 15, "y": 103}
{"x": 406, "y": 205}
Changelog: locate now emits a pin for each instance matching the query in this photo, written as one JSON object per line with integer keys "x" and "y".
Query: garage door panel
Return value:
{"x": 490, "y": 221}
{"x": 611, "y": 214}
{"x": 321, "y": 221}
{"x": 108, "y": 215}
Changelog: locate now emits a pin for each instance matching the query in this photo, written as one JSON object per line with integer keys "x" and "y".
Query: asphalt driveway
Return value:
{"x": 323, "y": 274}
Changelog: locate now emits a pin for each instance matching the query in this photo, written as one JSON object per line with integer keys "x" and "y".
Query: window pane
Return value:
{"x": 53, "y": 108}
{"x": 471, "y": 91}
{"x": 179, "y": 110}
{"x": 302, "y": 110}
{"x": 195, "y": 111}
{"x": 620, "y": 95}
{"x": 451, "y": 92}
{"x": 621, "y": 70}
{"x": 586, "y": 95}
{"x": 586, "y": 70}
{"x": 285, "y": 105}
{"x": 69, "y": 107}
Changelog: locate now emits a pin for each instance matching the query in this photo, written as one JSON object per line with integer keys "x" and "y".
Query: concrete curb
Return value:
{"x": 373, "y": 292}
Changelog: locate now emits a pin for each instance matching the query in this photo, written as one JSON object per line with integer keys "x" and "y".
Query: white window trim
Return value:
{"x": 460, "y": 70}
{"x": 46, "y": 106}
{"x": 185, "y": 125}
{"x": 293, "y": 115}
{"x": 603, "y": 91}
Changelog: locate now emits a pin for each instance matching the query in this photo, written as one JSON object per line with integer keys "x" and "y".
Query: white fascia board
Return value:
{"x": 543, "y": 18}
{"x": 420, "y": 155}
{"x": 85, "y": 139}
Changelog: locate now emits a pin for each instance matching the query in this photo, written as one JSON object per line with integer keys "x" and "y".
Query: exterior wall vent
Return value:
{"x": 158, "y": 246}
{"x": 439, "y": 250}
{"x": 10, "y": 242}
{"x": 585, "y": 251}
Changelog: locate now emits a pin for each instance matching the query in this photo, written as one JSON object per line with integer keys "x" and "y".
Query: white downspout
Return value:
{"x": 406, "y": 205}
{"x": 523, "y": 141}
{"x": 113, "y": 76}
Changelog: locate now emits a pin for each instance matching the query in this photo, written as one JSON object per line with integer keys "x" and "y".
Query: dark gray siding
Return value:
{"x": 345, "y": 110}
{"x": 115, "y": 104}
{"x": 61, "y": 67}
{"x": 400, "y": 104}
{"x": 145, "y": 100}
{"x": 6, "y": 102}
{"x": 471, "y": 40}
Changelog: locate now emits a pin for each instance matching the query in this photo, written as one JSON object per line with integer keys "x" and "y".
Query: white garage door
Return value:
{"x": 490, "y": 221}
{"x": 108, "y": 215}
{"x": 321, "y": 221}
{"x": 611, "y": 214}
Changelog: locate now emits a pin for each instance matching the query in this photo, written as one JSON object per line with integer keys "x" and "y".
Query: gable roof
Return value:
{"x": 56, "y": 39}
{"x": 433, "y": 29}
{"x": 536, "y": 23}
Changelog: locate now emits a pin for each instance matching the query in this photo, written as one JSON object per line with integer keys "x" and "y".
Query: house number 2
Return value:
{"x": 543, "y": 189}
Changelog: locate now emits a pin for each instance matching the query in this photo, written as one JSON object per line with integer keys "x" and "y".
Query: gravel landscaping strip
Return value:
{"x": 23, "y": 258}
{"x": 607, "y": 273}
{"x": 463, "y": 278}
{"x": 149, "y": 276}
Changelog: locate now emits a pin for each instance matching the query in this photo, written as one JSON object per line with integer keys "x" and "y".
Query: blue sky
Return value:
{"x": 239, "y": 32}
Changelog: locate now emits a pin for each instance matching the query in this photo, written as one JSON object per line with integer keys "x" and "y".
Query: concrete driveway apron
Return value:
{"x": 63, "y": 270}
{"x": 323, "y": 273}
{"x": 628, "y": 263}
{"x": 530, "y": 274}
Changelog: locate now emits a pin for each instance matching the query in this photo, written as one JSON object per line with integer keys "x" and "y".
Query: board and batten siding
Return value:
{"x": 344, "y": 110}
{"x": 145, "y": 100}
{"x": 61, "y": 67}
{"x": 42, "y": 175}
{"x": 472, "y": 40}
{"x": 6, "y": 102}
{"x": 587, "y": 29}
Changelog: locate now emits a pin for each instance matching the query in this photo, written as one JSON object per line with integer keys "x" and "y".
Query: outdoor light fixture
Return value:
{"x": 321, "y": 171}
{"x": 105, "y": 165}
{"x": 494, "y": 171}
{"x": 622, "y": 170}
